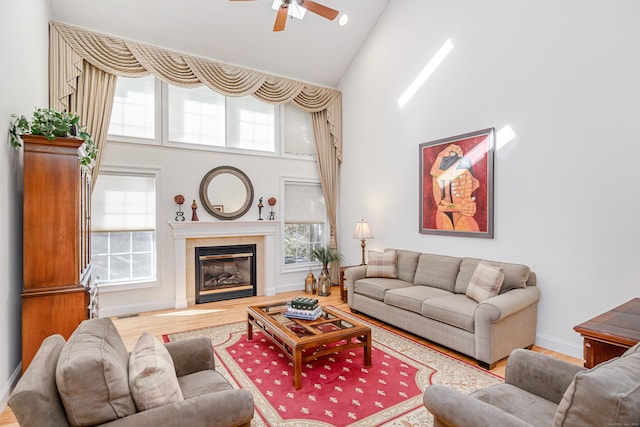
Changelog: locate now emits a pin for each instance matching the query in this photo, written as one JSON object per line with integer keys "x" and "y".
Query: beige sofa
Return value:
{"x": 542, "y": 391}
{"x": 85, "y": 382}
{"x": 428, "y": 297}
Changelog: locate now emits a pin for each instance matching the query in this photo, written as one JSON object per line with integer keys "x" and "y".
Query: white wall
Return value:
{"x": 181, "y": 171}
{"x": 23, "y": 85}
{"x": 564, "y": 76}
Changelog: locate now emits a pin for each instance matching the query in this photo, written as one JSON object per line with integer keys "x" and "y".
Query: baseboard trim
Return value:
{"x": 8, "y": 387}
{"x": 124, "y": 310}
{"x": 561, "y": 346}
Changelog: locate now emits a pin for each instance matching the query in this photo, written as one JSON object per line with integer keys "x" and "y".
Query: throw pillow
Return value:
{"x": 91, "y": 375}
{"x": 382, "y": 264}
{"x": 485, "y": 282}
{"x": 152, "y": 375}
{"x": 606, "y": 395}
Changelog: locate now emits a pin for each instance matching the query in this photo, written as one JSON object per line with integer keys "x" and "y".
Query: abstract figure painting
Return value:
{"x": 456, "y": 185}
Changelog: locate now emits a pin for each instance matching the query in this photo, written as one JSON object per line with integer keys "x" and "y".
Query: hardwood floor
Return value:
{"x": 215, "y": 313}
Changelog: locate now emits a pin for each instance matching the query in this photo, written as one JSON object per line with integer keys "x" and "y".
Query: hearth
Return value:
{"x": 225, "y": 272}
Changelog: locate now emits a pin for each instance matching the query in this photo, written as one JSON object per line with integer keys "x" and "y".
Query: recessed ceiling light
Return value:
{"x": 342, "y": 21}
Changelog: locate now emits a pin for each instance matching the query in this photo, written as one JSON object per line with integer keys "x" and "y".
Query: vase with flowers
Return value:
{"x": 325, "y": 255}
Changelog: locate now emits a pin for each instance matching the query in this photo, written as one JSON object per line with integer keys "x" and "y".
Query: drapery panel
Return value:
{"x": 328, "y": 168}
{"x": 75, "y": 51}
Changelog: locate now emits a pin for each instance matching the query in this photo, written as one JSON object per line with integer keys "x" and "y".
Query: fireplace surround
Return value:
{"x": 189, "y": 235}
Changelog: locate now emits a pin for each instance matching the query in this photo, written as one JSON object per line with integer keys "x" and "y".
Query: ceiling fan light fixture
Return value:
{"x": 293, "y": 10}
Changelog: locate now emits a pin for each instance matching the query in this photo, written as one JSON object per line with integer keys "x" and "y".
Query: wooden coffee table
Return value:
{"x": 329, "y": 334}
{"x": 610, "y": 334}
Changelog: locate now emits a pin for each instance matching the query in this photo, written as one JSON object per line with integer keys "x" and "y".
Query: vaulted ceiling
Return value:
{"x": 313, "y": 50}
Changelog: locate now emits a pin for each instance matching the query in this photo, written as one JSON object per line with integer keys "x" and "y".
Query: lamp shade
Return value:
{"x": 362, "y": 231}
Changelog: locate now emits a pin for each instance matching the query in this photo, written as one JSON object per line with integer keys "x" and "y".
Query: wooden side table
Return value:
{"x": 343, "y": 291}
{"x": 610, "y": 334}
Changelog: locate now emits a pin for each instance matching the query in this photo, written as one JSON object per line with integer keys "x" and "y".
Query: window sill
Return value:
{"x": 128, "y": 286}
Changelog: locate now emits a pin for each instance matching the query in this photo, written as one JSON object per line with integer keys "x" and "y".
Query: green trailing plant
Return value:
{"x": 326, "y": 255}
{"x": 53, "y": 124}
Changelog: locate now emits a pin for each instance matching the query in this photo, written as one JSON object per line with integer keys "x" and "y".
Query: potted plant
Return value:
{"x": 53, "y": 124}
{"x": 325, "y": 255}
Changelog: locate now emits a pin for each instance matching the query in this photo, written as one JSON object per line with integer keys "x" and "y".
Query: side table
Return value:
{"x": 343, "y": 291}
{"x": 610, "y": 334}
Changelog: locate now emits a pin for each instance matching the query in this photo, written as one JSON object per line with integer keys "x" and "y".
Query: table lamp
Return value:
{"x": 362, "y": 232}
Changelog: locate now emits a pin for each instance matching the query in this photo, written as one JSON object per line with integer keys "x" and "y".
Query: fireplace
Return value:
{"x": 225, "y": 272}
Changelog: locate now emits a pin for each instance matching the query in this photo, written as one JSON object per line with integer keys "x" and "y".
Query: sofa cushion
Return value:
{"x": 203, "y": 382}
{"x": 438, "y": 271}
{"x": 455, "y": 310}
{"x": 407, "y": 264}
{"x": 92, "y": 375}
{"x": 382, "y": 265}
{"x": 608, "y": 394}
{"x": 533, "y": 409}
{"x": 411, "y": 297}
{"x": 515, "y": 275}
{"x": 152, "y": 375}
{"x": 485, "y": 282}
{"x": 376, "y": 287}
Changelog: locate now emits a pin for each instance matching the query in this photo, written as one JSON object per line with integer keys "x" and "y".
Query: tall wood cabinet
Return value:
{"x": 59, "y": 289}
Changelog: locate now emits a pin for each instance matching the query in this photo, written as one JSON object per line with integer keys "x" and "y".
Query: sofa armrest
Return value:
{"x": 226, "y": 408}
{"x": 503, "y": 305}
{"x": 191, "y": 355}
{"x": 352, "y": 274}
{"x": 454, "y": 408}
{"x": 539, "y": 374}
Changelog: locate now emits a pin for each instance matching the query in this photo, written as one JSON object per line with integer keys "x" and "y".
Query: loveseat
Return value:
{"x": 543, "y": 391}
{"x": 91, "y": 379}
{"x": 430, "y": 295}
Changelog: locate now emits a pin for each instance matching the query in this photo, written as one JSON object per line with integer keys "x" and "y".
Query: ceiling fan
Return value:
{"x": 311, "y": 6}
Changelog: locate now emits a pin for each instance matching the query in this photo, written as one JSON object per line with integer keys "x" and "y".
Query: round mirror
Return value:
{"x": 226, "y": 192}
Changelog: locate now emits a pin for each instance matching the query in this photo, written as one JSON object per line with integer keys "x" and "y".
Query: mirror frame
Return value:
{"x": 204, "y": 192}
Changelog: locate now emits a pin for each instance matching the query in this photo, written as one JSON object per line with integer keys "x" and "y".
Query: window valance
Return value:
{"x": 72, "y": 45}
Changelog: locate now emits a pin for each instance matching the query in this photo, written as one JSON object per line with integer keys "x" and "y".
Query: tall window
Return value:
{"x": 123, "y": 237}
{"x": 134, "y": 108}
{"x": 196, "y": 116}
{"x": 251, "y": 124}
{"x": 201, "y": 117}
{"x": 305, "y": 219}
{"x": 298, "y": 131}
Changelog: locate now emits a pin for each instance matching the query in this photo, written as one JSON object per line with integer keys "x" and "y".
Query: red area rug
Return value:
{"x": 337, "y": 390}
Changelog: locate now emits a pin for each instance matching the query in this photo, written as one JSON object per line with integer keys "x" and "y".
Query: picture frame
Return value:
{"x": 456, "y": 185}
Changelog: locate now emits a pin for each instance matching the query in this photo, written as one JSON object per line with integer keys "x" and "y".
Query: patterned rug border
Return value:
{"x": 440, "y": 368}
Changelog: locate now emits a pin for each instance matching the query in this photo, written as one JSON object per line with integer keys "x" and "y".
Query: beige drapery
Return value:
{"x": 77, "y": 55}
{"x": 328, "y": 168}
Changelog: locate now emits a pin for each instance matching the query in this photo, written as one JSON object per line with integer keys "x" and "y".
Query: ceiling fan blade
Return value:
{"x": 281, "y": 18}
{"x": 319, "y": 9}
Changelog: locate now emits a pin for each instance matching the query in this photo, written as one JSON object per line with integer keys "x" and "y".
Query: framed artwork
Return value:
{"x": 456, "y": 185}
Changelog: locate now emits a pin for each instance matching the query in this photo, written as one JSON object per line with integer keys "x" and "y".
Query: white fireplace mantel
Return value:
{"x": 182, "y": 231}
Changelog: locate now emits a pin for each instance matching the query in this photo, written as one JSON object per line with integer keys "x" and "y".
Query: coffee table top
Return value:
{"x": 330, "y": 321}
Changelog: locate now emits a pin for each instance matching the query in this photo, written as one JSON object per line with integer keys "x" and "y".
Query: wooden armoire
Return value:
{"x": 59, "y": 290}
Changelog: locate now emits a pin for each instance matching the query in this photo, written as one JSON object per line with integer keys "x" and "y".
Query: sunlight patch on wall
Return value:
{"x": 425, "y": 73}
{"x": 504, "y": 136}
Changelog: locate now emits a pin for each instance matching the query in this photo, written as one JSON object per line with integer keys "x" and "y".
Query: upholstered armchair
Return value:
{"x": 543, "y": 391}
{"x": 92, "y": 380}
